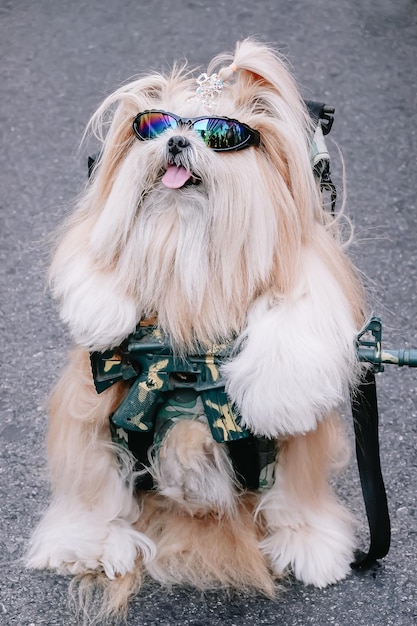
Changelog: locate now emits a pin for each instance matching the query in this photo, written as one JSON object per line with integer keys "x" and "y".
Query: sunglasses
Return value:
{"x": 218, "y": 133}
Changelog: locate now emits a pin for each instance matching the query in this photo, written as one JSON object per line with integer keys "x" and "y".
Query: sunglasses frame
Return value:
{"x": 253, "y": 139}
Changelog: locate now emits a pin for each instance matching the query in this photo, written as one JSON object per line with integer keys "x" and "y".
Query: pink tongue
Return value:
{"x": 175, "y": 177}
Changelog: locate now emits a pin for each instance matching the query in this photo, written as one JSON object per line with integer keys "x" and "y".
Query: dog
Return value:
{"x": 203, "y": 224}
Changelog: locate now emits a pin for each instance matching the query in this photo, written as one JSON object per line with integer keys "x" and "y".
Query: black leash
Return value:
{"x": 365, "y": 419}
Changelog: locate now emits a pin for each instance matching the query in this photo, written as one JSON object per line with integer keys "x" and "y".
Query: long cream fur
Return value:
{"x": 249, "y": 253}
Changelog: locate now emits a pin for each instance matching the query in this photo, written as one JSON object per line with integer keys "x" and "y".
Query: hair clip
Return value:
{"x": 209, "y": 87}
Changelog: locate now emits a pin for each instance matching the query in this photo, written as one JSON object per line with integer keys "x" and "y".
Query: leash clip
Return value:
{"x": 370, "y": 350}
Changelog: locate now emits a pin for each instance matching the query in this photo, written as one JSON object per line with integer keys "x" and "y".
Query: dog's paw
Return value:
{"x": 75, "y": 547}
{"x": 117, "y": 554}
{"x": 269, "y": 407}
{"x": 297, "y": 358}
{"x": 318, "y": 555}
{"x": 98, "y": 314}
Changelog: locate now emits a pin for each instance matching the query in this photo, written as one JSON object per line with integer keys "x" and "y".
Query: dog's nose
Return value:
{"x": 177, "y": 143}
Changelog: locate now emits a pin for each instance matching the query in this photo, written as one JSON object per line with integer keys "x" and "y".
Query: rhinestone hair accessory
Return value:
{"x": 209, "y": 87}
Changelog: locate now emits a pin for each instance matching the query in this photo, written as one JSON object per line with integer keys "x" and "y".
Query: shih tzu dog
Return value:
{"x": 214, "y": 313}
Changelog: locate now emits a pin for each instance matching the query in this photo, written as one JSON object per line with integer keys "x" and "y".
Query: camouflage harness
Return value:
{"x": 166, "y": 388}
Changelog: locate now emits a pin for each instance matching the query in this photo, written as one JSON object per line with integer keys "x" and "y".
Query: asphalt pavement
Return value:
{"x": 58, "y": 61}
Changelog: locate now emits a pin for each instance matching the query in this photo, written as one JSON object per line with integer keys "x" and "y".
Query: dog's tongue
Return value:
{"x": 175, "y": 177}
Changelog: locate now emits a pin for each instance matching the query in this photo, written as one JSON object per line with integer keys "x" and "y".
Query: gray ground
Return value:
{"x": 59, "y": 59}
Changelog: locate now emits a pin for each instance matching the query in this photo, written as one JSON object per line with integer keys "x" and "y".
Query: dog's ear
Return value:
{"x": 259, "y": 78}
{"x": 112, "y": 125}
{"x": 261, "y": 85}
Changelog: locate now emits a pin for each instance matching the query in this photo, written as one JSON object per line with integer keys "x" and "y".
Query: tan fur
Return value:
{"x": 206, "y": 261}
{"x": 308, "y": 460}
{"x": 217, "y": 307}
{"x": 207, "y": 551}
{"x": 79, "y": 435}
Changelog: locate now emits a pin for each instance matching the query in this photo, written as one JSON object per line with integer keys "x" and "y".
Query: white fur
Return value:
{"x": 315, "y": 541}
{"x": 73, "y": 539}
{"x": 298, "y": 355}
{"x": 98, "y": 314}
{"x": 79, "y": 532}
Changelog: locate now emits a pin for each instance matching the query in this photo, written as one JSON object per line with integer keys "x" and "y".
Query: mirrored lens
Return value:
{"x": 152, "y": 124}
{"x": 221, "y": 134}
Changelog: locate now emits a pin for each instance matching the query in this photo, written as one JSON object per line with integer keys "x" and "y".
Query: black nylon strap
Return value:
{"x": 365, "y": 419}
{"x": 243, "y": 454}
{"x": 245, "y": 459}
